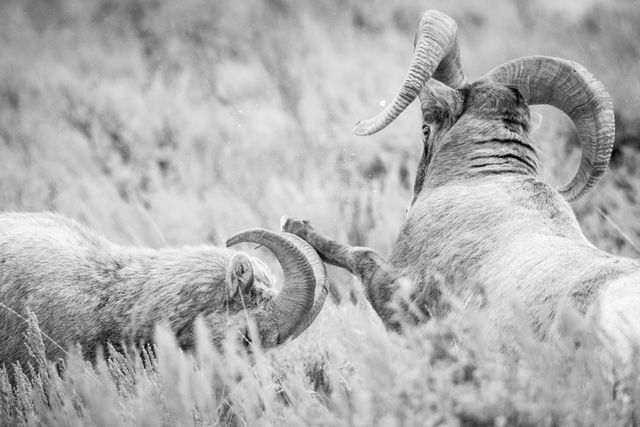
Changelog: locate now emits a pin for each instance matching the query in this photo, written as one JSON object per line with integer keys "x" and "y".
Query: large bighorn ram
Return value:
{"x": 481, "y": 219}
{"x": 85, "y": 289}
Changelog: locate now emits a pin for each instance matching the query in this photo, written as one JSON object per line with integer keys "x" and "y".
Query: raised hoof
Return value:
{"x": 294, "y": 226}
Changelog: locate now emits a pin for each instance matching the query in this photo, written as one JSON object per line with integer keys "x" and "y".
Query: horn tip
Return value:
{"x": 249, "y": 233}
{"x": 365, "y": 127}
{"x": 233, "y": 240}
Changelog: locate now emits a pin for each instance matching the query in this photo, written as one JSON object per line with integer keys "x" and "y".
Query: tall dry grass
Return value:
{"x": 443, "y": 373}
{"x": 163, "y": 123}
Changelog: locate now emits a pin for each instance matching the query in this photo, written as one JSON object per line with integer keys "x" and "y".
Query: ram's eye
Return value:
{"x": 426, "y": 131}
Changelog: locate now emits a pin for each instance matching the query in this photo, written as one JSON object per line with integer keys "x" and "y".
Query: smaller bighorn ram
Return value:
{"x": 85, "y": 289}
{"x": 481, "y": 220}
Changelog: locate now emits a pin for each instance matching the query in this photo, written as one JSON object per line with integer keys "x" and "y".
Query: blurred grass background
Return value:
{"x": 160, "y": 122}
{"x": 168, "y": 123}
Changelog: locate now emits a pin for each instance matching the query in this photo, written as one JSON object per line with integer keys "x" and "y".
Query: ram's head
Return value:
{"x": 287, "y": 313}
{"x": 479, "y": 128}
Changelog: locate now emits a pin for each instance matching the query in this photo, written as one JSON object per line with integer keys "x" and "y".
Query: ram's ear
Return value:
{"x": 239, "y": 274}
{"x": 516, "y": 91}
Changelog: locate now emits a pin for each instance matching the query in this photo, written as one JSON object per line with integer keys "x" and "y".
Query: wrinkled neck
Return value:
{"x": 478, "y": 149}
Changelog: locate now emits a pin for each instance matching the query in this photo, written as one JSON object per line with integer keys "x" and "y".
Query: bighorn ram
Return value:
{"x": 85, "y": 289}
{"x": 481, "y": 219}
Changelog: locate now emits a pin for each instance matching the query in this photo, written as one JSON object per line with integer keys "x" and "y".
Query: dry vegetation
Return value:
{"x": 160, "y": 122}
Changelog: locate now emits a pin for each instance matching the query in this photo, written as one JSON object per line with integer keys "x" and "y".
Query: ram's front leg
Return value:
{"x": 377, "y": 276}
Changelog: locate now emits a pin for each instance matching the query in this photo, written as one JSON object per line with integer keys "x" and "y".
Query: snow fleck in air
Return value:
{"x": 382, "y": 103}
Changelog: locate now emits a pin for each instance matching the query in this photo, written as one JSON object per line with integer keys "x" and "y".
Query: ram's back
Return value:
{"x": 56, "y": 267}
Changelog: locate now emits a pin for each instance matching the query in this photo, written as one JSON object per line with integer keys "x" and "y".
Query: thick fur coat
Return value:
{"x": 85, "y": 289}
{"x": 484, "y": 227}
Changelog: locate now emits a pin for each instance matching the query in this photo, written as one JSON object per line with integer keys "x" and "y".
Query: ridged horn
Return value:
{"x": 571, "y": 88}
{"x": 291, "y": 306}
{"x": 322, "y": 285}
{"x": 436, "y": 54}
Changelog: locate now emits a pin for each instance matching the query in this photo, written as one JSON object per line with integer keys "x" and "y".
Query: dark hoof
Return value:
{"x": 294, "y": 226}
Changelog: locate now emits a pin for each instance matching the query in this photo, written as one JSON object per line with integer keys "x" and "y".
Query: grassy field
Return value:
{"x": 170, "y": 123}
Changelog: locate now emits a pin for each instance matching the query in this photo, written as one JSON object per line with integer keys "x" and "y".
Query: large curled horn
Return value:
{"x": 291, "y": 307}
{"x": 322, "y": 284}
{"x": 436, "y": 54}
{"x": 571, "y": 88}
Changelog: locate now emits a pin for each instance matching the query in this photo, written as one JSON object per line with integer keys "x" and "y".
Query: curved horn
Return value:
{"x": 322, "y": 285}
{"x": 292, "y": 304}
{"x": 436, "y": 54}
{"x": 571, "y": 88}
